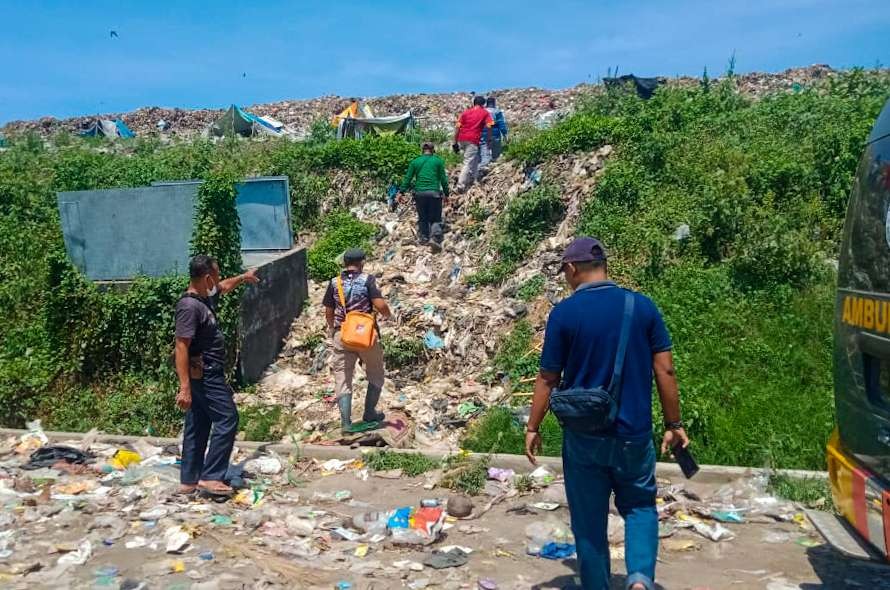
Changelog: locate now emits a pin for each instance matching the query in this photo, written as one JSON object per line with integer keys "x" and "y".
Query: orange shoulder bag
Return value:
{"x": 358, "y": 330}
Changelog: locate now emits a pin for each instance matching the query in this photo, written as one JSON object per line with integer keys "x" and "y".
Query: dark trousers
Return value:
{"x": 214, "y": 417}
{"x": 429, "y": 215}
{"x": 594, "y": 467}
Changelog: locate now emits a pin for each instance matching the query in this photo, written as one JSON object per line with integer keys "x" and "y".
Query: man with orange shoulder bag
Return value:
{"x": 352, "y": 302}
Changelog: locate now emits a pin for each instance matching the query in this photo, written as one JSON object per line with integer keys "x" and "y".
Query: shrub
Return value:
{"x": 340, "y": 231}
{"x": 578, "y": 133}
{"x": 526, "y": 220}
{"x": 498, "y": 431}
{"x": 306, "y": 193}
{"x": 531, "y": 288}
{"x": 399, "y": 352}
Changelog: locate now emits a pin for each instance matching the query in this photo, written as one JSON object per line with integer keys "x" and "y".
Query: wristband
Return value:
{"x": 531, "y": 431}
{"x": 673, "y": 425}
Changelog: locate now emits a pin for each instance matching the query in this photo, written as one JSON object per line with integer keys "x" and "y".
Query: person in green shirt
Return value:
{"x": 430, "y": 183}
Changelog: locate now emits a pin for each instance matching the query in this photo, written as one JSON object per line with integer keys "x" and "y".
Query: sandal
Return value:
{"x": 216, "y": 488}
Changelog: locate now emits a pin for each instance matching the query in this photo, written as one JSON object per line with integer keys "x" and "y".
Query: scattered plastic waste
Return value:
{"x": 49, "y": 455}
{"x": 176, "y": 539}
{"x": 715, "y": 533}
{"x": 446, "y": 559}
{"x": 79, "y": 557}
{"x": 557, "y": 550}
{"x": 123, "y": 458}
{"x": 682, "y": 232}
{"x": 33, "y": 439}
{"x": 432, "y": 341}
{"x": 502, "y": 475}
{"x": 728, "y": 516}
{"x": 221, "y": 520}
{"x": 267, "y": 465}
{"x": 549, "y": 506}
{"x": 542, "y": 476}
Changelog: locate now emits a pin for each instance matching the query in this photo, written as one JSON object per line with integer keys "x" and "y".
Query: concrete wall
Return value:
{"x": 268, "y": 308}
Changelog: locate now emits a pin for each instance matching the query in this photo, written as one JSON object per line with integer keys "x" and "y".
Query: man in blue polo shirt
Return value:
{"x": 580, "y": 349}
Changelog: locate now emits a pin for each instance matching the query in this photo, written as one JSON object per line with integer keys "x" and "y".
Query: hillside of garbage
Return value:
{"x": 452, "y": 328}
{"x": 520, "y": 105}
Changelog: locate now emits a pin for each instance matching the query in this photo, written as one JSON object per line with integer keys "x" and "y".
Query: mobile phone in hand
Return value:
{"x": 684, "y": 459}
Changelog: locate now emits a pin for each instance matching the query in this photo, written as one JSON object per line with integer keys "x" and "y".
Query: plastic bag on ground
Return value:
{"x": 79, "y": 557}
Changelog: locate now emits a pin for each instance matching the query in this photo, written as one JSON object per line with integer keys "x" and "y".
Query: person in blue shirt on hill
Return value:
{"x": 585, "y": 336}
{"x": 491, "y": 151}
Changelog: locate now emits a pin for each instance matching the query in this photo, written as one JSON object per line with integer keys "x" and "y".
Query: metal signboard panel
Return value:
{"x": 118, "y": 234}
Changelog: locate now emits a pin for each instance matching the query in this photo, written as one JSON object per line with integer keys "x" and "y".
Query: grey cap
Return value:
{"x": 353, "y": 255}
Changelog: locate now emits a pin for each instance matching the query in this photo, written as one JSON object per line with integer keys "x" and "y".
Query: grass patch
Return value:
{"x": 465, "y": 474}
{"x": 531, "y": 288}
{"x": 811, "y": 492}
{"x": 516, "y": 356}
{"x": 400, "y": 352}
{"x": 260, "y": 423}
{"x": 497, "y": 431}
{"x": 411, "y": 464}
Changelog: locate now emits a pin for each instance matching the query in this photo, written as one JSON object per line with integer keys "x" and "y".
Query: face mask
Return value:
{"x": 211, "y": 292}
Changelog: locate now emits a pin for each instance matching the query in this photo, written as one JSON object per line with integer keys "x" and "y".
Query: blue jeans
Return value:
{"x": 594, "y": 467}
{"x": 213, "y": 417}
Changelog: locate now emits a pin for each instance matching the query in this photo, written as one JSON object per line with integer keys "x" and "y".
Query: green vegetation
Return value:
{"x": 531, "y": 288}
{"x": 260, "y": 423}
{"x": 726, "y": 211}
{"x": 78, "y": 356}
{"x": 526, "y": 220}
{"x": 748, "y": 294}
{"x": 339, "y": 231}
{"x": 399, "y": 352}
{"x": 464, "y": 473}
{"x": 500, "y": 432}
{"x": 411, "y": 464}
{"x": 516, "y": 358}
{"x": 812, "y": 492}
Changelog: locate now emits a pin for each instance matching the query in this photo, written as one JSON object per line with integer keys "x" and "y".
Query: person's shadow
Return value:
{"x": 573, "y": 582}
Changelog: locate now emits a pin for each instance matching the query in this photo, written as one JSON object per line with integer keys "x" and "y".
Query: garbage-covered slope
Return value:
{"x": 521, "y": 105}
{"x": 445, "y": 330}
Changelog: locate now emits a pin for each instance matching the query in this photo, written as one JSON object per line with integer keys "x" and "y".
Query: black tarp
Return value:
{"x": 645, "y": 87}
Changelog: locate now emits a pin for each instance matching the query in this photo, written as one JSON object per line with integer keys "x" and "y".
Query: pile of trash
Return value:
{"x": 89, "y": 514}
{"x": 457, "y": 328}
{"x": 535, "y": 106}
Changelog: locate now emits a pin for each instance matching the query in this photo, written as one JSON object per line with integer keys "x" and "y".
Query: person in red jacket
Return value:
{"x": 467, "y": 137}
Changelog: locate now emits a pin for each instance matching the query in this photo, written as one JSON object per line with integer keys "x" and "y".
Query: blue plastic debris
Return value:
{"x": 432, "y": 341}
{"x": 557, "y": 550}
{"x": 400, "y": 518}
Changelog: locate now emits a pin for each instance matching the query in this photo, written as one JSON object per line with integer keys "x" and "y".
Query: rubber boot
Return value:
{"x": 345, "y": 404}
{"x": 423, "y": 230}
{"x": 371, "y": 398}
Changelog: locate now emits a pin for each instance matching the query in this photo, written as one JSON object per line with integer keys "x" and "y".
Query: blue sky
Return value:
{"x": 60, "y": 59}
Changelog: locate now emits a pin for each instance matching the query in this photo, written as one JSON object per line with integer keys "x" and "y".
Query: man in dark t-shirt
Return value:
{"x": 205, "y": 396}
{"x": 581, "y": 344}
{"x": 360, "y": 293}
